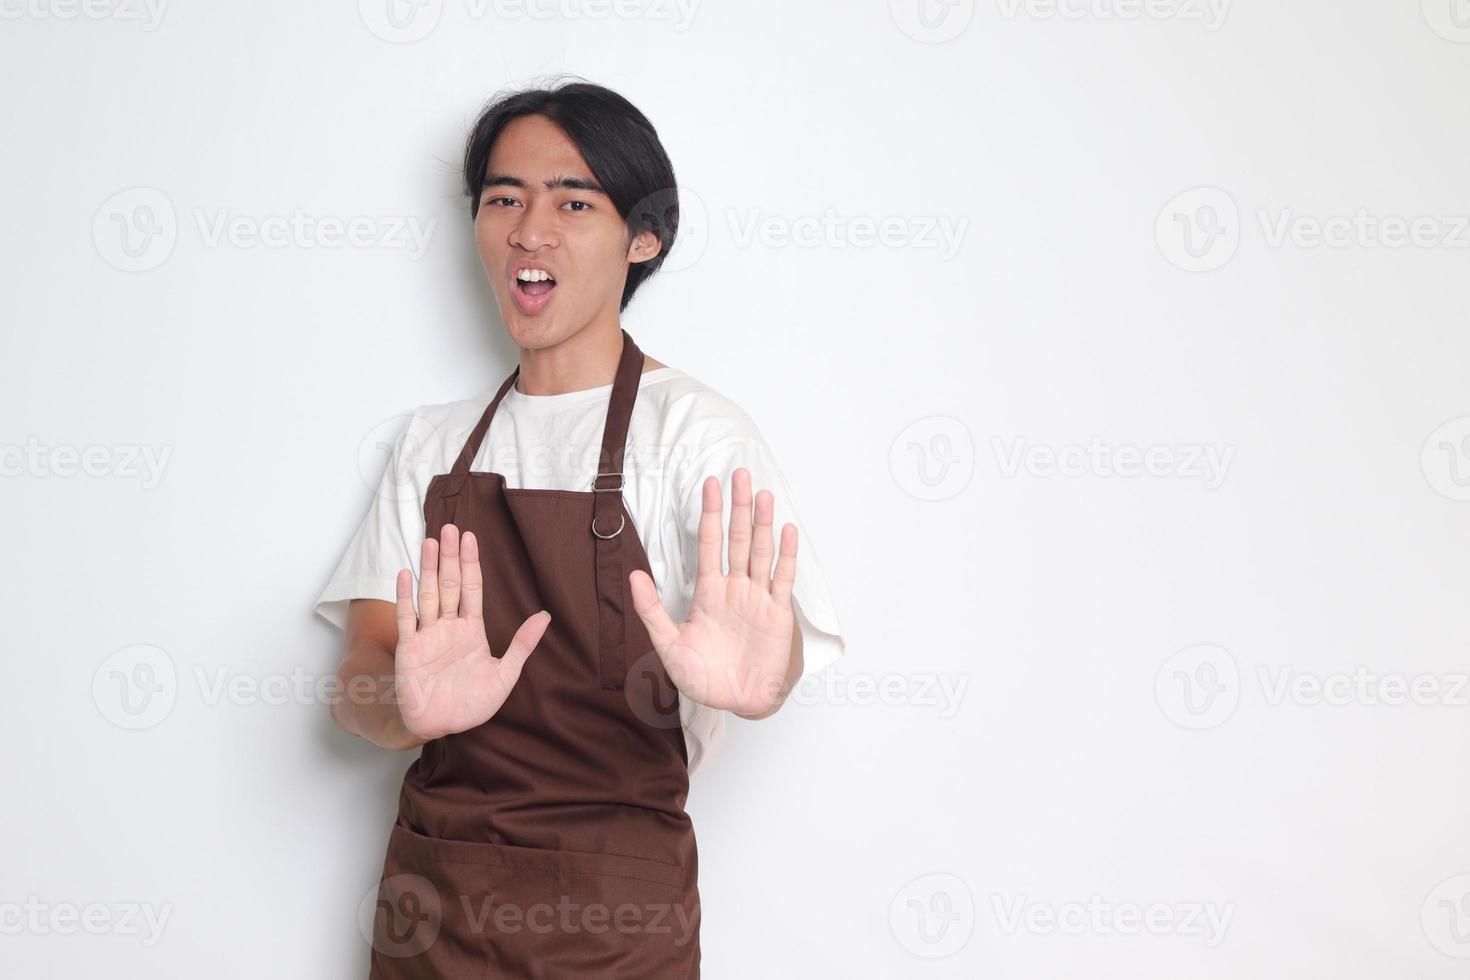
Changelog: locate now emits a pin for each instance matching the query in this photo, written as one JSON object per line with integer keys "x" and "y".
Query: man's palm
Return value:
{"x": 447, "y": 679}
{"x": 734, "y": 649}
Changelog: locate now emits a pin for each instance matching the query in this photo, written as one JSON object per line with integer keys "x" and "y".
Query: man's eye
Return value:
{"x": 497, "y": 200}
{"x": 579, "y": 205}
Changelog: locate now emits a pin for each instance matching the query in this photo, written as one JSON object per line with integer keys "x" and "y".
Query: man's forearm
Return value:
{"x": 368, "y": 705}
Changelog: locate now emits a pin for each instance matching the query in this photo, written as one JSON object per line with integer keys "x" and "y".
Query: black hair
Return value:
{"x": 618, "y": 143}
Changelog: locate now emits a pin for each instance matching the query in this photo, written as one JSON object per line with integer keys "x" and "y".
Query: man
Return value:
{"x": 577, "y": 637}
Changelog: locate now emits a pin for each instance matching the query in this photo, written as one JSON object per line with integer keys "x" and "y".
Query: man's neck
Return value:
{"x": 586, "y": 359}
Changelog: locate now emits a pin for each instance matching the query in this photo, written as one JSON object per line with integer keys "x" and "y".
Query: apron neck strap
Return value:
{"x": 615, "y": 428}
{"x": 619, "y": 412}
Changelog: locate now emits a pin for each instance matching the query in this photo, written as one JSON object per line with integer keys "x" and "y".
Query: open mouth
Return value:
{"x": 535, "y": 286}
{"x": 533, "y": 289}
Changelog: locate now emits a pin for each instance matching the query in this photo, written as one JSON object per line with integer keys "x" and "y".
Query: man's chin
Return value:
{"x": 533, "y": 332}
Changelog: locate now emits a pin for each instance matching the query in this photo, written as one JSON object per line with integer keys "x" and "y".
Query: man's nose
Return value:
{"x": 537, "y": 225}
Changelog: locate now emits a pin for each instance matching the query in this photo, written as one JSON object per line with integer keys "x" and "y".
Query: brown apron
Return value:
{"x": 551, "y": 841}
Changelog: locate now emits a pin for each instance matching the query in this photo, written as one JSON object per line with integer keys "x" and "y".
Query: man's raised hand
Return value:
{"x": 734, "y": 650}
{"x": 447, "y": 681}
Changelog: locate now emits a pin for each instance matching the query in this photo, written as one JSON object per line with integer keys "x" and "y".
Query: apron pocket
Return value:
{"x": 425, "y": 915}
{"x": 450, "y": 908}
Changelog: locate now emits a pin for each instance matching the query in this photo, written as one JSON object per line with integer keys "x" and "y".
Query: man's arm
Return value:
{"x": 368, "y": 704}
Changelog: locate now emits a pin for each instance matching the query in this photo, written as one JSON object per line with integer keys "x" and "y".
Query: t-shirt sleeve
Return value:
{"x": 822, "y": 642}
{"x": 387, "y": 540}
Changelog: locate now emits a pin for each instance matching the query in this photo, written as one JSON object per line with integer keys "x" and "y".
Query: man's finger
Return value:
{"x": 785, "y": 576}
{"x": 711, "y": 538}
{"x": 761, "y": 548}
{"x": 662, "y": 630}
{"x": 429, "y": 582}
{"x": 522, "y": 645}
{"x": 740, "y": 523}
{"x": 407, "y": 622}
{"x": 449, "y": 572}
{"x": 472, "y": 590}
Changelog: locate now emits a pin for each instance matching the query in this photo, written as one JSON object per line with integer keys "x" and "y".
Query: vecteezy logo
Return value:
{"x": 1446, "y": 917}
{"x": 135, "y": 230}
{"x": 682, "y": 209}
{"x": 933, "y": 458}
{"x": 1450, "y": 19}
{"x": 651, "y": 695}
{"x": 1199, "y": 229}
{"x": 401, "y": 917}
{"x": 1198, "y": 687}
{"x": 135, "y": 687}
{"x": 400, "y": 21}
{"x": 390, "y": 474}
{"x": 933, "y": 916}
{"x": 932, "y": 21}
{"x": 1445, "y": 459}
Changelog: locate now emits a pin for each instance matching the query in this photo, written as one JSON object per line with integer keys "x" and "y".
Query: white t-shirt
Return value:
{"x": 681, "y": 431}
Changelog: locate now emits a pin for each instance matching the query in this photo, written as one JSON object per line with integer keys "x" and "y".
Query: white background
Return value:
{"x": 1121, "y": 737}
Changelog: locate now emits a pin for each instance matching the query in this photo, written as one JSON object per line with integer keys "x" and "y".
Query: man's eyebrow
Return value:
{"x": 564, "y": 182}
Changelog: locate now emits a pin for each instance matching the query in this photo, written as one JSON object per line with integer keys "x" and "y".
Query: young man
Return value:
{"x": 577, "y": 637}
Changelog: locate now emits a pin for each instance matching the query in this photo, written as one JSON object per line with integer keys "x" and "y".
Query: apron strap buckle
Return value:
{"x": 616, "y": 489}
{"x": 599, "y": 507}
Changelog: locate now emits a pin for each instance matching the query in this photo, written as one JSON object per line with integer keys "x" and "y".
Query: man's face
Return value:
{"x": 541, "y": 207}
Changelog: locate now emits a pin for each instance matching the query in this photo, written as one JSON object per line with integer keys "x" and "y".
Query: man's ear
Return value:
{"x": 644, "y": 246}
